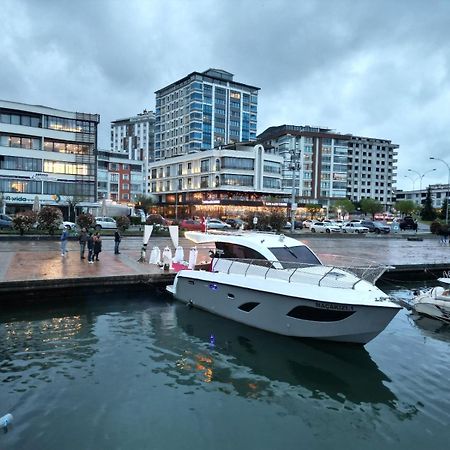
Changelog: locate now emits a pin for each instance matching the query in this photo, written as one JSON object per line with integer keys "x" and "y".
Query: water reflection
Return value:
{"x": 254, "y": 363}
{"x": 431, "y": 328}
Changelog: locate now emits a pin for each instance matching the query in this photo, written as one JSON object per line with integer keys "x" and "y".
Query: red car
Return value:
{"x": 191, "y": 225}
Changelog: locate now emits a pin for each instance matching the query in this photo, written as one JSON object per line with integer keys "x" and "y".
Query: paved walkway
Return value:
{"x": 41, "y": 260}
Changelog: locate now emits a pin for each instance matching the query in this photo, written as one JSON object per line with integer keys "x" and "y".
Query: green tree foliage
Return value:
{"x": 49, "y": 219}
{"x": 277, "y": 220}
{"x": 435, "y": 227}
{"x": 86, "y": 220}
{"x": 313, "y": 209}
{"x": 24, "y": 221}
{"x": 406, "y": 207}
{"x": 428, "y": 212}
{"x": 345, "y": 205}
{"x": 123, "y": 223}
{"x": 144, "y": 202}
{"x": 443, "y": 212}
{"x": 370, "y": 206}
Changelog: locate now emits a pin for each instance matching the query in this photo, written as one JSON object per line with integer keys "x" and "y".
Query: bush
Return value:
{"x": 50, "y": 218}
{"x": 24, "y": 221}
{"x": 123, "y": 223}
{"x": 135, "y": 220}
{"x": 86, "y": 220}
{"x": 435, "y": 227}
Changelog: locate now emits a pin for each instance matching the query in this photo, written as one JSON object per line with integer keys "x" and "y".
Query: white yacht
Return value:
{"x": 434, "y": 302}
{"x": 278, "y": 284}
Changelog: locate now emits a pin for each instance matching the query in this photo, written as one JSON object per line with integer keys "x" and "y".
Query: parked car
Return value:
{"x": 107, "y": 223}
{"x": 354, "y": 227}
{"x": 5, "y": 221}
{"x": 216, "y": 224}
{"x": 333, "y": 222}
{"x": 236, "y": 223}
{"x": 321, "y": 227}
{"x": 307, "y": 223}
{"x": 298, "y": 225}
{"x": 408, "y": 223}
{"x": 191, "y": 225}
{"x": 68, "y": 225}
{"x": 376, "y": 226}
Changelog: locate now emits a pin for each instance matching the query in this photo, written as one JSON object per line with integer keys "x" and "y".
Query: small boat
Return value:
{"x": 434, "y": 302}
{"x": 277, "y": 284}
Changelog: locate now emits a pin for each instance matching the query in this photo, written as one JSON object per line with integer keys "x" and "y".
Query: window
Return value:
{"x": 204, "y": 165}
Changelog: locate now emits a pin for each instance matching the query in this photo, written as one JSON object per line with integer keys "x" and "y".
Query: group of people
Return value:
{"x": 93, "y": 242}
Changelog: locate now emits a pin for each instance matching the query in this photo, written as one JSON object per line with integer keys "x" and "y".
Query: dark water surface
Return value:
{"x": 148, "y": 373}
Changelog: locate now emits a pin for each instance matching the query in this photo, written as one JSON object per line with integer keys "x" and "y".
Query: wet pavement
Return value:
{"x": 30, "y": 260}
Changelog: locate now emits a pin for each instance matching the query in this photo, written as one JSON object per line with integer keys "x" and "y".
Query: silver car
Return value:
{"x": 216, "y": 224}
{"x": 354, "y": 227}
{"x": 107, "y": 223}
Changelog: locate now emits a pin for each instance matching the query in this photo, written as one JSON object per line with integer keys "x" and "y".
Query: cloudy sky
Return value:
{"x": 376, "y": 68}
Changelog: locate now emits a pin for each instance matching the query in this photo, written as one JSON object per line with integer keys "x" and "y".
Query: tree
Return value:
{"x": 86, "y": 220}
{"x": 371, "y": 206}
{"x": 50, "y": 218}
{"x": 443, "y": 213}
{"x": 345, "y": 205}
{"x": 313, "y": 209}
{"x": 24, "y": 221}
{"x": 144, "y": 202}
{"x": 428, "y": 212}
{"x": 405, "y": 207}
{"x": 277, "y": 220}
{"x": 123, "y": 223}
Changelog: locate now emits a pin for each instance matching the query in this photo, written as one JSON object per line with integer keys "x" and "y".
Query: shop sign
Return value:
{"x": 210, "y": 202}
{"x": 284, "y": 204}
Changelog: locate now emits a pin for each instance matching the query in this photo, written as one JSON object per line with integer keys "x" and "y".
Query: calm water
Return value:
{"x": 149, "y": 373}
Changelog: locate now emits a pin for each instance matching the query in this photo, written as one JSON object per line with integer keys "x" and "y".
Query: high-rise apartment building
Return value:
{"x": 134, "y": 137}
{"x": 315, "y": 160}
{"x": 372, "y": 170}
{"x": 46, "y": 152}
{"x": 204, "y": 110}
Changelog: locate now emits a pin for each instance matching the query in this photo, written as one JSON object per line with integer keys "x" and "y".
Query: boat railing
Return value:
{"x": 343, "y": 273}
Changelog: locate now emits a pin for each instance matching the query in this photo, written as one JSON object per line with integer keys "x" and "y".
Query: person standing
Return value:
{"x": 117, "y": 239}
{"x": 83, "y": 239}
{"x": 90, "y": 246}
{"x": 97, "y": 246}
{"x": 64, "y": 237}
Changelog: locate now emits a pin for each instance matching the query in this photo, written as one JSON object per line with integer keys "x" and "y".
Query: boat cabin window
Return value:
{"x": 234, "y": 251}
{"x": 299, "y": 254}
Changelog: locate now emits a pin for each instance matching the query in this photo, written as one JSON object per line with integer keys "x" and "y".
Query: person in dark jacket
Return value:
{"x": 83, "y": 239}
{"x": 117, "y": 239}
{"x": 90, "y": 246}
{"x": 97, "y": 246}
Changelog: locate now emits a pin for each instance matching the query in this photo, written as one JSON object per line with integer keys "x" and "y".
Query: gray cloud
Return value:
{"x": 379, "y": 69}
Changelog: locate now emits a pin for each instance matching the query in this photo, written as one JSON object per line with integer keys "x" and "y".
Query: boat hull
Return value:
{"x": 287, "y": 315}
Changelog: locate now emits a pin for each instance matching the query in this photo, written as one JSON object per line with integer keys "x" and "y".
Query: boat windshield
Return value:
{"x": 299, "y": 254}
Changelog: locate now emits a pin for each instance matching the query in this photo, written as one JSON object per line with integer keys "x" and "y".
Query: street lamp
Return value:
{"x": 295, "y": 164}
{"x": 421, "y": 175}
{"x": 448, "y": 183}
{"x": 412, "y": 181}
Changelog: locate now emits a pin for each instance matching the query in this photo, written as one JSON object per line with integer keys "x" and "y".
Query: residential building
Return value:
{"x": 439, "y": 193}
{"x": 46, "y": 152}
{"x": 231, "y": 181}
{"x": 120, "y": 178}
{"x": 204, "y": 110}
{"x": 372, "y": 170}
{"x": 314, "y": 161}
{"x": 134, "y": 137}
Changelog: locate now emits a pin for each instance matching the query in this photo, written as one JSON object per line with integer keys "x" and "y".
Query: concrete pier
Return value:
{"x": 34, "y": 270}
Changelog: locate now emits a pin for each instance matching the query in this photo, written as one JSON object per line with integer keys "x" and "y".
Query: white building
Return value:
{"x": 204, "y": 110}
{"x": 372, "y": 170}
{"x": 46, "y": 152}
{"x": 134, "y": 137}
{"x": 439, "y": 193}
{"x": 231, "y": 178}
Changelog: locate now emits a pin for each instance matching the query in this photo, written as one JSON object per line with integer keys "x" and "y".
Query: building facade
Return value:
{"x": 439, "y": 193}
{"x": 119, "y": 178}
{"x": 315, "y": 161}
{"x": 372, "y": 170}
{"x": 135, "y": 138}
{"x": 204, "y": 110}
{"x": 46, "y": 152}
{"x": 230, "y": 181}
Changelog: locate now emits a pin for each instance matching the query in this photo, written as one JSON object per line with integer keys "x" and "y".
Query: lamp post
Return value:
{"x": 448, "y": 183}
{"x": 421, "y": 175}
{"x": 412, "y": 181}
{"x": 295, "y": 164}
